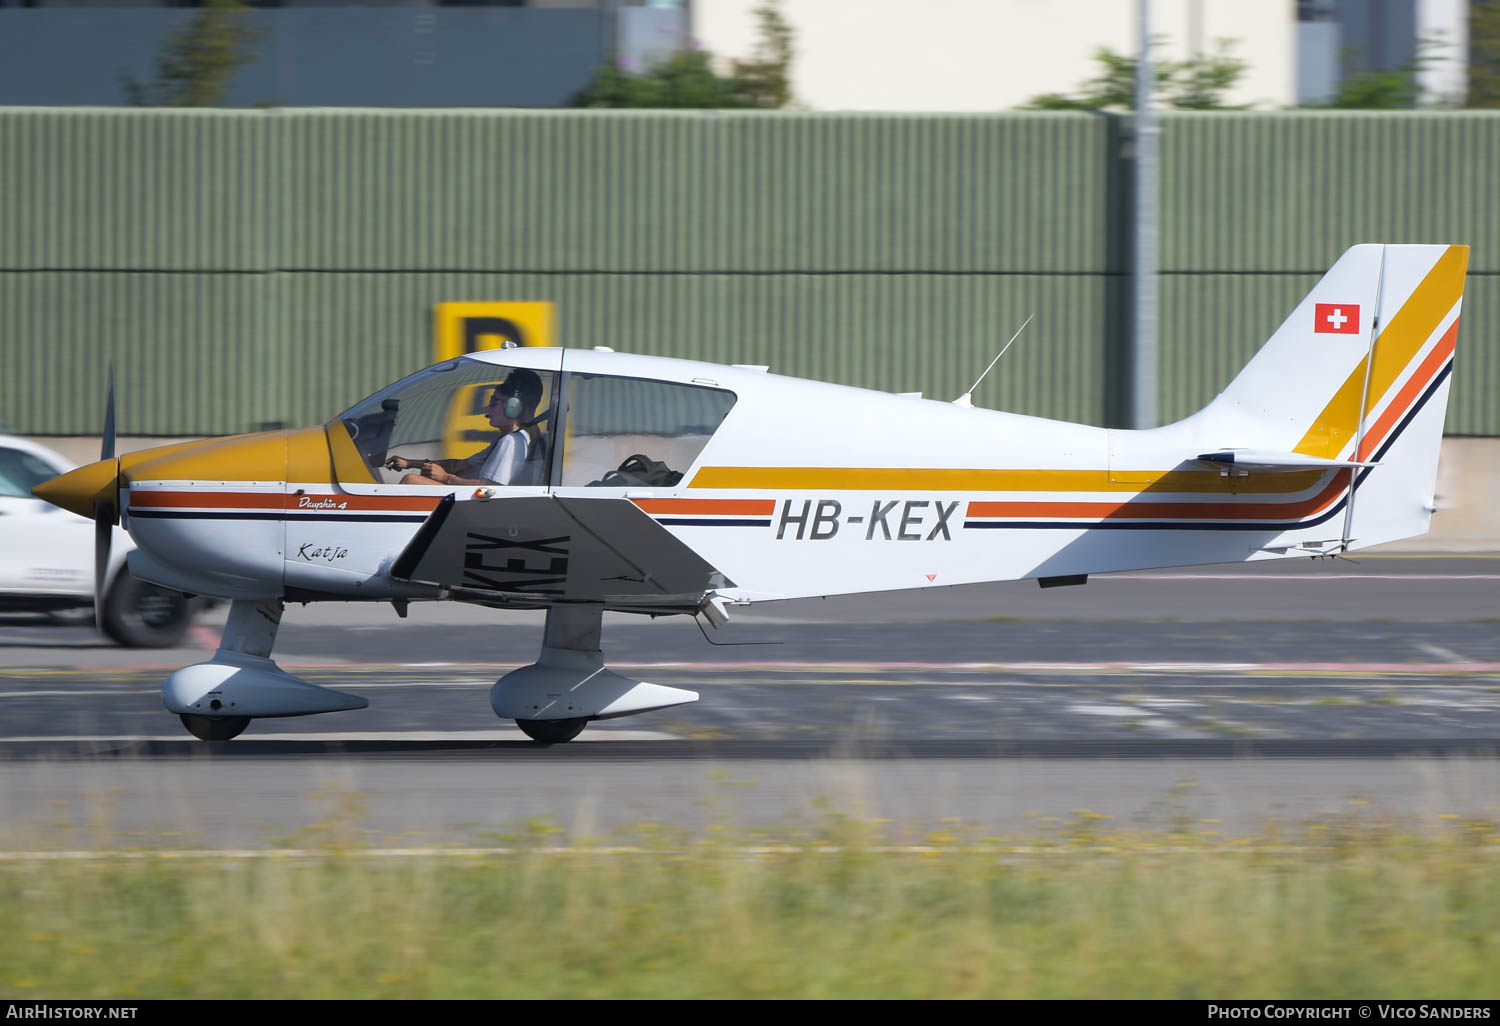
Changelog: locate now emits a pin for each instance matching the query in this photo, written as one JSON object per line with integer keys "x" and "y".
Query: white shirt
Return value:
{"x": 503, "y": 464}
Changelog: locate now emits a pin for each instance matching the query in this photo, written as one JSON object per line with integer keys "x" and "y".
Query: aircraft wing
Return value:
{"x": 535, "y": 550}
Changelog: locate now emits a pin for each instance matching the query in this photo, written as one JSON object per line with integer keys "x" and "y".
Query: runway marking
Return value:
{"x": 1149, "y": 846}
{"x": 484, "y": 674}
{"x": 593, "y": 733}
{"x": 94, "y": 691}
{"x": 1370, "y": 554}
{"x": 1131, "y": 576}
{"x": 1446, "y": 654}
{"x": 1143, "y": 717}
{"x": 1096, "y": 667}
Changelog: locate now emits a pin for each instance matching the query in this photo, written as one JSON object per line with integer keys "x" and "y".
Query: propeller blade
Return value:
{"x": 103, "y": 534}
{"x": 104, "y": 511}
{"x": 107, "y": 446}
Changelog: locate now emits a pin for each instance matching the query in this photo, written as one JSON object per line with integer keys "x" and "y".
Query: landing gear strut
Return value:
{"x": 555, "y": 697}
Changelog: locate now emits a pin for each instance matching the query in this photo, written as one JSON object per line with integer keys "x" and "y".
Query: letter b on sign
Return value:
{"x": 461, "y": 328}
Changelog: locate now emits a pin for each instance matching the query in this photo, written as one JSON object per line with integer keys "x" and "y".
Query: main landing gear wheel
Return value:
{"x": 217, "y": 728}
{"x": 548, "y": 732}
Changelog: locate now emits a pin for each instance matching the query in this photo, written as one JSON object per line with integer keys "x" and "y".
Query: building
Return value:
{"x": 851, "y": 55}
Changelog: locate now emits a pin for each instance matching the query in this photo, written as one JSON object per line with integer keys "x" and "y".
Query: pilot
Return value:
{"x": 512, "y": 412}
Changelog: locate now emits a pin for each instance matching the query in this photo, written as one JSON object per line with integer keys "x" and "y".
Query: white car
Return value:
{"x": 47, "y": 558}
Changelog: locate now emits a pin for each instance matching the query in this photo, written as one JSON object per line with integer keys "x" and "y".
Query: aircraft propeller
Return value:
{"x": 106, "y": 502}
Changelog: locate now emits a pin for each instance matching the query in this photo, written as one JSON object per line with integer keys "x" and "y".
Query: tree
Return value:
{"x": 1200, "y": 84}
{"x": 687, "y": 78}
{"x": 1196, "y": 84}
{"x": 1386, "y": 88}
{"x": 765, "y": 80}
{"x": 1391, "y": 89}
{"x": 197, "y": 61}
{"x": 684, "y": 79}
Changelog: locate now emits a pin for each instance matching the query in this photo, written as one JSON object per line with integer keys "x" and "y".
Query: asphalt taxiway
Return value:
{"x": 1227, "y": 697}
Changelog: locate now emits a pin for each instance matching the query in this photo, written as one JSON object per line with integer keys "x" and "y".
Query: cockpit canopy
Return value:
{"x": 617, "y": 431}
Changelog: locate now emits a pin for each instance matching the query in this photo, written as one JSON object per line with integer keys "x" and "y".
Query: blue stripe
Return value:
{"x": 688, "y": 522}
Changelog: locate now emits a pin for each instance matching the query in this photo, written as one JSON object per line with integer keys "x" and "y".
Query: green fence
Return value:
{"x": 242, "y": 267}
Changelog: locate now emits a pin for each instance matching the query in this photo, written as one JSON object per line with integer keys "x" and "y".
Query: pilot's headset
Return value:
{"x": 512, "y": 405}
{"x": 514, "y": 388}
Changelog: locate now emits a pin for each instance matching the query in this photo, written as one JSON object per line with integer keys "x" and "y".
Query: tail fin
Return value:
{"x": 1358, "y": 373}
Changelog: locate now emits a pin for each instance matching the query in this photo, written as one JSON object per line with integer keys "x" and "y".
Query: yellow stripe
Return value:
{"x": 256, "y": 457}
{"x": 1398, "y": 342}
{"x": 349, "y": 466}
{"x": 131, "y": 460}
{"x": 956, "y": 480}
{"x": 307, "y": 456}
{"x": 1415, "y": 322}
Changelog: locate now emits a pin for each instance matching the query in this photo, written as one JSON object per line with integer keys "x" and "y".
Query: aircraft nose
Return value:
{"x": 79, "y": 490}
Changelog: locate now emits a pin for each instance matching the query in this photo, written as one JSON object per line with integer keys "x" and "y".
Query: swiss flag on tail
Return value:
{"x": 1336, "y": 318}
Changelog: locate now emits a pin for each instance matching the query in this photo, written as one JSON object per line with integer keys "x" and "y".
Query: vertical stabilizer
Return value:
{"x": 1359, "y": 371}
{"x": 1404, "y": 399}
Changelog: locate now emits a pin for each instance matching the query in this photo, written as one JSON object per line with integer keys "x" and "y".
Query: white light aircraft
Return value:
{"x": 664, "y": 486}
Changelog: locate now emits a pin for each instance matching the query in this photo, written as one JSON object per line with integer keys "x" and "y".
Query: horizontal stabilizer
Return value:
{"x": 1262, "y": 459}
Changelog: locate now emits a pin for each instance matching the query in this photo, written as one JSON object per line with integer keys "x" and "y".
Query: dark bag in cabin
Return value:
{"x": 641, "y": 470}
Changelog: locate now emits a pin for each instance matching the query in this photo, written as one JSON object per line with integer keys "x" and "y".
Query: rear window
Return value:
{"x": 630, "y": 432}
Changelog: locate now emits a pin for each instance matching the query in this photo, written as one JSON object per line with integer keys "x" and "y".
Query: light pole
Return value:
{"x": 1143, "y": 338}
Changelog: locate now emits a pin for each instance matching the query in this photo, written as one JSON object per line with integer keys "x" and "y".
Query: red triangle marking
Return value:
{"x": 932, "y": 577}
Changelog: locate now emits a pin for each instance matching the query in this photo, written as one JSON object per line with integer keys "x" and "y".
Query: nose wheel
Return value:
{"x": 552, "y": 732}
{"x": 216, "y": 728}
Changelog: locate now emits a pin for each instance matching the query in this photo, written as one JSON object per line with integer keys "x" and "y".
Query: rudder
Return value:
{"x": 1405, "y": 394}
{"x": 1359, "y": 371}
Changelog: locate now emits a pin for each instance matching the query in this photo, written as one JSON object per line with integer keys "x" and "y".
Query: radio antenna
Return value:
{"x": 967, "y": 399}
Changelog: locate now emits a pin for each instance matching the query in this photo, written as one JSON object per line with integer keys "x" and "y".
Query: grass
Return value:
{"x": 1078, "y": 910}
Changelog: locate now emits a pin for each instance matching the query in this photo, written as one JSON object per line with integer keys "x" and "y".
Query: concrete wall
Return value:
{"x": 305, "y": 250}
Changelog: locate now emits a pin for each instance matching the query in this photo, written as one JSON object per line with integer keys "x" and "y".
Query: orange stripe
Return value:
{"x": 761, "y": 506}
{"x": 274, "y": 500}
{"x": 1409, "y": 392}
{"x": 200, "y": 500}
{"x": 1128, "y": 510}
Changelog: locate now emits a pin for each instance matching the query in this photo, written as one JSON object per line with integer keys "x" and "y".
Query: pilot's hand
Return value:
{"x": 436, "y": 472}
{"x": 397, "y": 463}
